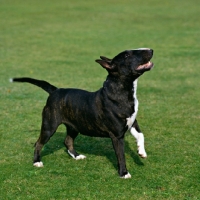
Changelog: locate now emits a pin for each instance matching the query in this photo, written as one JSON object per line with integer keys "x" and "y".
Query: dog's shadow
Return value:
{"x": 91, "y": 145}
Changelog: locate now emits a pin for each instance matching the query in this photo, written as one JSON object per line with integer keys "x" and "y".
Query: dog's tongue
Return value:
{"x": 145, "y": 66}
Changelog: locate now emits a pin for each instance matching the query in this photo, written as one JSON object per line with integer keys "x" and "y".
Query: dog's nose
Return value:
{"x": 151, "y": 51}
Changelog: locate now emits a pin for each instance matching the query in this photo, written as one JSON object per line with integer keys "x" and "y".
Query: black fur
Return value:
{"x": 102, "y": 113}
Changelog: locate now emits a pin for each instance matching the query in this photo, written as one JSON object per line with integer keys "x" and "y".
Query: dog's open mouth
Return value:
{"x": 145, "y": 67}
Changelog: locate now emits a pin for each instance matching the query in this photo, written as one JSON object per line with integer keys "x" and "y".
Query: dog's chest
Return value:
{"x": 132, "y": 118}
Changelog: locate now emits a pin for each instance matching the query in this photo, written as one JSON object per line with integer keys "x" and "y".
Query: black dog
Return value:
{"x": 108, "y": 112}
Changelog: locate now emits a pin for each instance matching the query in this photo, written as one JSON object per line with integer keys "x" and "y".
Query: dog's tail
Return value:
{"x": 43, "y": 84}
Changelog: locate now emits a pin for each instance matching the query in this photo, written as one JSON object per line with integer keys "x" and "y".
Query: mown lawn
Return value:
{"x": 58, "y": 41}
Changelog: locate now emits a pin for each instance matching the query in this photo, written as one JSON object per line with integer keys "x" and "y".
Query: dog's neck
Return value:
{"x": 120, "y": 83}
{"x": 124, "y": 88}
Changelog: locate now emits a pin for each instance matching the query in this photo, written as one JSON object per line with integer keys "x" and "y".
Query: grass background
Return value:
{"x": 58, "y": 41}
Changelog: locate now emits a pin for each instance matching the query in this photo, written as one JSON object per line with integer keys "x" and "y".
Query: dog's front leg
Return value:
{"x": 118, "y": 145}
{"x": 136, "y": 132}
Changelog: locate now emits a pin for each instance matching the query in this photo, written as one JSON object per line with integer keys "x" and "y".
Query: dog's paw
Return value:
{"x": 126, "y": 176}
{"x": 142, "y": 153}
{"x": 38, "y": 164}
{"x": 80, "y": 157}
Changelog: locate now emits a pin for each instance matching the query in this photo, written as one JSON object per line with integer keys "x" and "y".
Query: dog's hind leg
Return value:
{"x": 69, "y": 143}
{"x": 135, "y": 131}
{"x": 48, "y": 128}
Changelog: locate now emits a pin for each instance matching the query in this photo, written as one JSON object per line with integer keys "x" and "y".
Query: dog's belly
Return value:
{"x": 89, "y": 129}
{"x": 94, "y": 133}
{"x": 92, "y": 125}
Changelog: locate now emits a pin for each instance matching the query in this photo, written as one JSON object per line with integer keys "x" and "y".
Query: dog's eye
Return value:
{"x": 127, "y": 55}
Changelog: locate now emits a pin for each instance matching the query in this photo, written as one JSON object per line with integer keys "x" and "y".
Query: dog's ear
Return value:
{"x": 106, "y": 59}
{"x": 105, "y": 64}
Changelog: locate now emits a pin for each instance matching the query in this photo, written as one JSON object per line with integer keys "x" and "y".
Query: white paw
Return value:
{"x": 38, "y": 164}
{"x": 126, "y": 176}
{"x": 142, "y": 153}
{"x": 80, "y": 157}
{"x": 71, "y": 154}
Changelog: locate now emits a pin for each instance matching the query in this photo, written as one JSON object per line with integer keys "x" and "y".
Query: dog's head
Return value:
{"x": 132, "y": 63}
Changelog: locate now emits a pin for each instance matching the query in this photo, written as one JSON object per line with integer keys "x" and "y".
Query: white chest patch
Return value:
{"x": 132, "y": 118}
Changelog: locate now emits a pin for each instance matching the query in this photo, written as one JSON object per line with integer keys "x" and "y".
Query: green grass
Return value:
{"x": 58, "y": 41}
